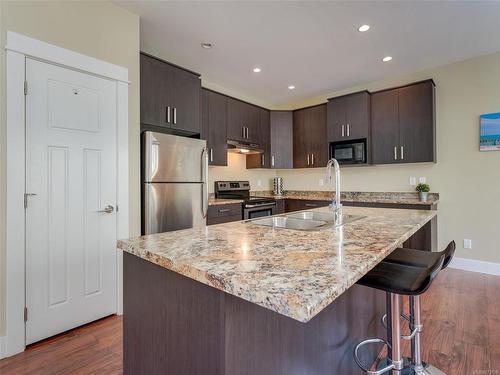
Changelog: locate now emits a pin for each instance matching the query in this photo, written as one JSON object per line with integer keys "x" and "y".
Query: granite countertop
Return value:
{"x": 355, "y": 196}
{"x": 212, "y": 201}
{"x": 294, "y": 273}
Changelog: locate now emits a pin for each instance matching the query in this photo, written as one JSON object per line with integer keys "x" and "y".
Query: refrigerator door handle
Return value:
{"x": 204, "y": 184}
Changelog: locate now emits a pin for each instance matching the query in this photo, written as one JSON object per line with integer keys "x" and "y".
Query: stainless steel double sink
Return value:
{"x": 305, "y": 220}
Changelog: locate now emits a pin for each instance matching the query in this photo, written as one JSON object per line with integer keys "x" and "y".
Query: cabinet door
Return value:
{"x": 252, "y": 123}
{"x": 416, "y": 123}
{"x": 301, "y": 157}
{"x": 214, "y": 125}
{"x": 186, "y": 104}
{"x": 336, "y": 119}
{"x": 155, "y": 91}
{"x": 262, "y": 160}
{"x": 281, "y": 139}
{"x": 357, "y": 109}
{"x": 316, "y": 133}
{"x": 235, "y": 117}
{"x": 385, "y": 127}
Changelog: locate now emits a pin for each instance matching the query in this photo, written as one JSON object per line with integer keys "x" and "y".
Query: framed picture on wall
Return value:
{"x": 489, "y": 139}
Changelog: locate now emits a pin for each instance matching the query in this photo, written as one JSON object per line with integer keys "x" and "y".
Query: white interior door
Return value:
{"x": 71, "y": 167}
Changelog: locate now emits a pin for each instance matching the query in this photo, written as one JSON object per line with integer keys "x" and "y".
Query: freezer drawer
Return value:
{"x": 172, "y": 206}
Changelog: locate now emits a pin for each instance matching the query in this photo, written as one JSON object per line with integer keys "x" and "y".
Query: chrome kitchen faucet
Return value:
{"x": 335, "y": 206}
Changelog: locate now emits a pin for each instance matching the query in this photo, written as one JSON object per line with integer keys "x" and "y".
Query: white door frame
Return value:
{"x": 18, "y": 48}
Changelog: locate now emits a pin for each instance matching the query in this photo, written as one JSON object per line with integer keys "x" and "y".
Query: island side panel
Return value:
{"x": 171, "y": 324}
{"x": 175, "y": 325}
{"x": 260, "y": 341}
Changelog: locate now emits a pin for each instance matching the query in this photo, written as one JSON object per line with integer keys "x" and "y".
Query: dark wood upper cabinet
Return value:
{"x": 243, "y": 121}
{"x": 417, "y": 129}
{"x": 214, "y": 121}
{"x": 262, "y": 160}
{"x": 349, "y": 117}
{"x": 385, "y": 127}
{"x": 310, "y": 146}
{"x": 186, "y": 101}
{"x": 403, "y": 124}
{"x": 170, "y": 96}
{"x": 301, "y": 156}
{"x": 281, "y": 139}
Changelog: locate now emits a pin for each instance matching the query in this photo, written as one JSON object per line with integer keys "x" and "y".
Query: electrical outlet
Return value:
{"x": 422, "y": 180}
{"x": 259, "y": 182}
{"x": 467, "y": 244}
{"x": 321, "y": 182}
{"x": 413, "y": 181}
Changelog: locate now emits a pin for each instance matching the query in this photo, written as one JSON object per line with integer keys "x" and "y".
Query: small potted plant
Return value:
{"x": 423, "y": 191}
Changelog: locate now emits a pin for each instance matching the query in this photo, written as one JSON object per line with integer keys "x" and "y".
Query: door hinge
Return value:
{"x": 25, "y": 87}
{"x": 25, "y": 314}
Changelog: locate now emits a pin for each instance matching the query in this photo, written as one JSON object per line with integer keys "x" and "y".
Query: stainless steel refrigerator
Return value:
{"x": 174, "y": 182}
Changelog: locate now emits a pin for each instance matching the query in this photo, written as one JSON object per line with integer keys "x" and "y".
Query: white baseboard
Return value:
{"x": 3, "y": 350}
{"x": 472, "y": 265}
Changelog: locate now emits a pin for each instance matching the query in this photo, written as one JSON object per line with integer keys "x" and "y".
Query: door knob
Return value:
{"x": 108, "y": 209}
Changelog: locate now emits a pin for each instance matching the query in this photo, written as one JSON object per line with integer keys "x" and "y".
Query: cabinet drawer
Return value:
{"x": 303, "y": 204}
{"x": 224, "y": 213}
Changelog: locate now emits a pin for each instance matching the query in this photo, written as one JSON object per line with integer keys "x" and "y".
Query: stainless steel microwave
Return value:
{"x": 349, "y": 152}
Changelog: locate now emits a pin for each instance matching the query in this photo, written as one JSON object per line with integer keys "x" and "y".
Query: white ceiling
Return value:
{"x": 313, "y": 45}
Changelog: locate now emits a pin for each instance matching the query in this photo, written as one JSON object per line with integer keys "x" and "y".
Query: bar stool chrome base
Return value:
{"x": 410, "y": 369}
{"x": 425, "y": 369}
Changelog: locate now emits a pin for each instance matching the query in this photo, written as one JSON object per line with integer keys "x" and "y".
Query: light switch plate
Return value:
{"x": 422, "y": 180}
{"x": 467, "y": 244}
{"x": 413, "y": 181}
{"x": 321, "y": 182}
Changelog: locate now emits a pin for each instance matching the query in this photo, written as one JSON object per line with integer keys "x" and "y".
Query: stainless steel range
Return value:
{"x": 252, "y": 206}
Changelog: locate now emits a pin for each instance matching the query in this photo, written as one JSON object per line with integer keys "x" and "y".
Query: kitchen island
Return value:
{"x": 243, "y": 299}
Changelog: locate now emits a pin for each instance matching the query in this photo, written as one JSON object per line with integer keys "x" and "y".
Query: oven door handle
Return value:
{"x": 260, "y": 205}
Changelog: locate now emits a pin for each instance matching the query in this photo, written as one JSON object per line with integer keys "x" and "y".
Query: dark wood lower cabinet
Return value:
{"x": 175, "y": 325}
{"x": 303, "y": 204}
{"x": 224, "y": 213}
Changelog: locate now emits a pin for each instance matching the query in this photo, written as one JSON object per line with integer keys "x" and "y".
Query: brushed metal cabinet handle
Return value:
{"x": 168, "y": 115}
{"x": 402, "y": 152}
{"x": 395, "y": 152}
{"x": 222, "y": 210}
{"x": 175, "y": 115}
{"x": 307, "y": 159}
{"x": 247, "y": 132}
{"x": 211, "y": 155}
{"x": 348, "y": 130}
{"x": 262, "y": 159}
{"x": 343, "y": 132}
{"x": 310, "y": 205}
{"x": 272, "y": 161}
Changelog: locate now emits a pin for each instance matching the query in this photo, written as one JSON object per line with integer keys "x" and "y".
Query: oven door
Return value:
{"x": 253, "y": 211}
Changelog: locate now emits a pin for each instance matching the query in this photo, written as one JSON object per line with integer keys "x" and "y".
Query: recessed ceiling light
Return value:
{"x": 244, "y": 150}
{"x": 291, "y": 87}
{"x": 363, "y": 28}
{"x": 207, "y": 45}
{"x": 256, "y": 70}
{"x": 387, "y": 58}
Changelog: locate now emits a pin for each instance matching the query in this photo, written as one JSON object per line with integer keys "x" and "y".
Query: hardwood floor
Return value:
{"x": 95, "y": 348}
{"x": 461, "y": 314}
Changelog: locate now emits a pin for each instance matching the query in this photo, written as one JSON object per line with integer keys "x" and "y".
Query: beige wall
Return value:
{"x": 260, "y": 179}
{"x": 468, "y": 180}
{"x": 98, "y": 29}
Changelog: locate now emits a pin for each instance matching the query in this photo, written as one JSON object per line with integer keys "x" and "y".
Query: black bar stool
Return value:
{"x": 418, "y": 258}
{"x": 396, "y": 280}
